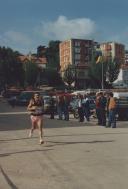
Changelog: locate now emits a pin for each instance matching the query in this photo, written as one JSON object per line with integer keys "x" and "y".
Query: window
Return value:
{"x": 77, "y": 49}
{"x": 77, "y": 43}
{"x": 77, "y": 62}
{"x": 77, "y": 56}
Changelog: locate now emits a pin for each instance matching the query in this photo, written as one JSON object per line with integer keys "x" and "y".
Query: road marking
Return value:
{"x": 13, "y": 113}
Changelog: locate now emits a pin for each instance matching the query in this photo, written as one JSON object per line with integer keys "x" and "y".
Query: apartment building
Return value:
{"x": 78, "y": 53}
{"x": 113, "y": 51}
{"x": 126, "y": 57}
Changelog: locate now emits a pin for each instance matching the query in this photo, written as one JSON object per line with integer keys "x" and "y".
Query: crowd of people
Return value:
{"x": 105, "y": 107}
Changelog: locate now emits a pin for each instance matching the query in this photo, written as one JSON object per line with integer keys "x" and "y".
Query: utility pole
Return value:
{"x": 102, "y": 82}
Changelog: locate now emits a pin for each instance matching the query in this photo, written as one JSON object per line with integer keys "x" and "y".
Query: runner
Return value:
{"x": 36, "y": 106}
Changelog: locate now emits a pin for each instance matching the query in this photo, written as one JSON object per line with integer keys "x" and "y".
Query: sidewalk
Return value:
{"x": 72, "y": 157}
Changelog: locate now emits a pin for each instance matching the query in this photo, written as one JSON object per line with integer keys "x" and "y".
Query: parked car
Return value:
{"x": 24, "y": 97}
{"x": 12, "y": 100}
{"x": 11, "y": 93}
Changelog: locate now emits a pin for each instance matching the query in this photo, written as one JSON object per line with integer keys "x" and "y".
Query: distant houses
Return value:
{"x": 41, "y": 62}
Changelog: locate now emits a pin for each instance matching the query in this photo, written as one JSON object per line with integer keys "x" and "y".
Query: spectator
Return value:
{"x": 60, "y": 106}
{"x": 66, "y": 108}
{"x": 86, "y": 107}
{"x": 112, "y": 112}
{"x": 80, "y": 108}
{"x": 103, "y": 103}
{"x": 52, "y": 107}
{"x": 98, "y": 108}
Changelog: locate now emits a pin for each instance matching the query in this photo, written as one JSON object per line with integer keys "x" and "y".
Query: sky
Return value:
{"x": 27, "y": 24}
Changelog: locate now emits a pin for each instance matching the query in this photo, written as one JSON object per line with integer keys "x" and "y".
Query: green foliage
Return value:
{"x": 110, "y": 71}
{"x": 11, "y": 69}
{"x": 53, "y": 77}
{"x": 31, "y": 73}
{"x": 52, "y": 55}
{"x": 113, "y": 68}
{"x": 69, "y": 75}
{"x": 95, "y": 72}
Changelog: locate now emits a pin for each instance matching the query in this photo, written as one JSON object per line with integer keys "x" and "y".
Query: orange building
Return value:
{"x": 113, "y": 51}
{"x": 78, "y": 53}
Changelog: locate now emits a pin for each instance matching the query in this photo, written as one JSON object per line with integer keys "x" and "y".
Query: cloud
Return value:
{"x": 16, "y": 40}
{"x": 64, "y": 28}
{"x": 119, "y": 37}
{"x": 16, "y": 37}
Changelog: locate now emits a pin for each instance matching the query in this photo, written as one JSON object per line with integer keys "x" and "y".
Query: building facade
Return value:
{"x": 40, "y": 62}
{"x": 78, "y": 54}
{"x": 112, "y": 51}
{"x": 126, "y": 57}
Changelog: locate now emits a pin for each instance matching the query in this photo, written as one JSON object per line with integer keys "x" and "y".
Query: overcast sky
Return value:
{"x": 26, "y": 24}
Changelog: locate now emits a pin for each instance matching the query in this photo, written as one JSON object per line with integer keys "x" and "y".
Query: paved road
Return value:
{"x": 74, "y": 156}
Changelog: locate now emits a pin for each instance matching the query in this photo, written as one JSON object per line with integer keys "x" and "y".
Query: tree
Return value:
{"x": 69, "y": 75}
{"x": 11, "y": 69}
{"x": 113, "y": 68}
{"x": 110, "y": 69}
{"x": 31, "y": 73}
{"x": 52, "y": 54}
{"x": 95, "y": 71}
{"x": 53, "y": 77}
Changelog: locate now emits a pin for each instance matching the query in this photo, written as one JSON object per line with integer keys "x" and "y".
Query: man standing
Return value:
{"x": 86, "y": 107}
{"x": 80, "y": 108}
{"x": 98, "y": 108}
{"x": 103, "y": 103}
{"x": 52, "y": 107}
{"x": 112, "y": 111}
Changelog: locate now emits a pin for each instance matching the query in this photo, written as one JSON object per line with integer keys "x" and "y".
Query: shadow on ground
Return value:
{"x": 21, "y": 122}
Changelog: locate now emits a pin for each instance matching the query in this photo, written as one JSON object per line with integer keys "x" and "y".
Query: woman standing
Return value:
{"x": 36, "y": 107}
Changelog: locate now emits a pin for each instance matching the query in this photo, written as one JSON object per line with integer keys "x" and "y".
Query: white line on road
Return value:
{"x": 13, "y": 113}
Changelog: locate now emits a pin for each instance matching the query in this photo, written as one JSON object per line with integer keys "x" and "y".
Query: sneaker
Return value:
{"x": 41, "y": 141}
{"x": 30, "y": 134}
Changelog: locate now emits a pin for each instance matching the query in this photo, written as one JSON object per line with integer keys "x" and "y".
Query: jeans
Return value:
{"x": 66, "y": 113}
{"x": 87, "y": 113}
{"x": 81, "y": 114}
{"x": 103, "y": 117}
{"x": 98, "y": 114}
{"x": 112, "y": 118}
